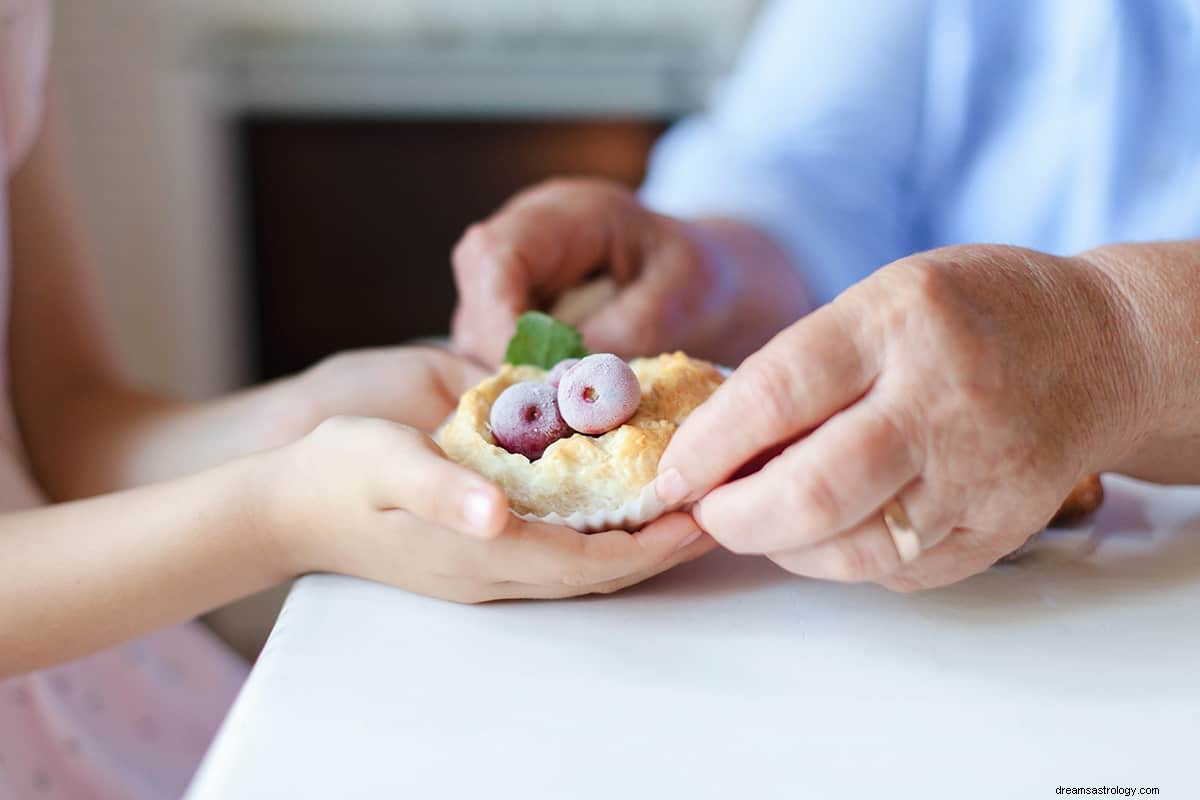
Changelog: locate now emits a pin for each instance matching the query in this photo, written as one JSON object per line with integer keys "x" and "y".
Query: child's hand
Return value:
{"x": 378, "y": 500}
{"x": 418, "y": 386}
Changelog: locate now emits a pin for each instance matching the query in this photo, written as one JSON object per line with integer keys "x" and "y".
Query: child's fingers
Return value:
{"x": 455, "y": 373}
{"x": 416, "y": 476}
{"x": 702, "y": 545}
{"x": 536, "y": 553}
{"x": 514, "y": 590}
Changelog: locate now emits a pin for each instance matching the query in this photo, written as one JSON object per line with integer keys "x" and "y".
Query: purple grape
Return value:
{"x": 525, "y": 419}
{"x": 559, "y": 370}
{"x": 598, "y": 394}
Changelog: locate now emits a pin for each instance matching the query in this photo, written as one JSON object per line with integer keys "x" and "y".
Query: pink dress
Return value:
{"x": 129, "y": 723}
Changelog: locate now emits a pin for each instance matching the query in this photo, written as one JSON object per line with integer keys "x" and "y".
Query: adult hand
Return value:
{"x": 975, "y": 385}
{"x": 716, "y": 288}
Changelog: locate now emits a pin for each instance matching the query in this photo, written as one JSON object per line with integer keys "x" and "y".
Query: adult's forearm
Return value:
{"x": 80, "y": 576}
{"x": 1159, "y": 285}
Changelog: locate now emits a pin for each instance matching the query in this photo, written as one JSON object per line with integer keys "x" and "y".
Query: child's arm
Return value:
{"x": 357, "y": 496}
{"x": 79, "y": 576}
{"x": 89, "y": 429}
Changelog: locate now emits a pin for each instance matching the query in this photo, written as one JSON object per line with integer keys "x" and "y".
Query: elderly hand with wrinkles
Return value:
{"x": 974, "y": 385}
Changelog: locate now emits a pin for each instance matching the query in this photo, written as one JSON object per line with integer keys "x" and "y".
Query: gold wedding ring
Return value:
{"x": 908, "y": 543}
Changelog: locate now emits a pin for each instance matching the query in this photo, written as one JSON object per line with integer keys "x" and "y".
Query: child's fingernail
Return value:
{"x": 477, "y": 509}
{"x": 670, "y": 487}
{"x": 692, "y": 537}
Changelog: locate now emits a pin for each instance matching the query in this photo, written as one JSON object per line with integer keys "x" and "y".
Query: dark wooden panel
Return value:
{"x": 350, "y": 222}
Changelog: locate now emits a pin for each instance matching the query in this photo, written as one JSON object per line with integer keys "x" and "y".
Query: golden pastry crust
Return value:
{"x": 582, "y": 473}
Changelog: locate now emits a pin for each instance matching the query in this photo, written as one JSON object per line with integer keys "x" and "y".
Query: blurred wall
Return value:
{"x": 149, "y": 166}
{"x": 154, "y": 172}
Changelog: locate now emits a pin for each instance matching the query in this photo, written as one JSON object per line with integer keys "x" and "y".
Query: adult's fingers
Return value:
{"x": 676, "y": 290}
{"x": 580, "y": 302}
{"x": 933, "y": 512}
{"x": 541, "y": 243}
{"x": 634, "y": 322}
{"x": 825, "y": 483}
{"x": 866, "y": 552}
{"x": 493, "y": 290}
{"x": 958, "y": 556}
{"x": 799, "y": 379}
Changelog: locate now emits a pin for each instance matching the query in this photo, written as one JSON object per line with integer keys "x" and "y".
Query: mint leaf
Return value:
{"x": 542, "y": 341}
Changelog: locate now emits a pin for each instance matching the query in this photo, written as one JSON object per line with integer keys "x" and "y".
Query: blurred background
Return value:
{"x": 269, "y": 182}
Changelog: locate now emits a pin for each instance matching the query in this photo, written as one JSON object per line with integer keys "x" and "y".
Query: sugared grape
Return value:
{"x": 598, "y": 394}
{"x": 559, "y": 370}
{"x": 525, "y": 419}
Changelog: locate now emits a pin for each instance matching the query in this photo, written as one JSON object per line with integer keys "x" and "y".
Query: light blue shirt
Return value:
{"x": 856, "y": 132}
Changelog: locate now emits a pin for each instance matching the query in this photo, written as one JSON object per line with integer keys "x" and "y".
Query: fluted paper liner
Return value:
{"x": 630, "y": 516}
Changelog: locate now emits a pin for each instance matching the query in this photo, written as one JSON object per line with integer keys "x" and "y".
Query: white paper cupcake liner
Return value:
{"x": 629, "y": 516}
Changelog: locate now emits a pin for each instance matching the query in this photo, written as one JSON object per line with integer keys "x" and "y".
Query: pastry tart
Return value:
{"x": 590, "y": 479}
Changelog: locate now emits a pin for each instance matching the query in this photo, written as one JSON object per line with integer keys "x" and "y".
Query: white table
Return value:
{"x": 728, "y": 678}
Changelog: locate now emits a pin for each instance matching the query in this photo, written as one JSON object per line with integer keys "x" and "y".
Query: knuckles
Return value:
{"x": 960, "y": 360}
{"x": 481, "y": 248}
{"x": 729, "y": 537}
{"x": 576, "y": 577}
{"x": 467, "y": 255}
{"x": 352, "y": 432}
{"x": 924, "y": 302}
{"x": 812, "y": 498}
{"x": 766, "y": 380}
{"x": 559, "y": 187}
{"x": 849, "y": 562}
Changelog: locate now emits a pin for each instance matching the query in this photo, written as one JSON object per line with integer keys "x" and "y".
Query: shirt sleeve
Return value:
{"x": 812, "y": 139}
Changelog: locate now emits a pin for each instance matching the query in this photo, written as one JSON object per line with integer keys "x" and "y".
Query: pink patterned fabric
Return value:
{"x": 129, "y": 723}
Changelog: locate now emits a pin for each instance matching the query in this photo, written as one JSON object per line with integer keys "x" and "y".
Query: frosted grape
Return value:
{"x": 598, "y": 394}
{"x": 559, "y": 370}
{"x": 525, "y": 419}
